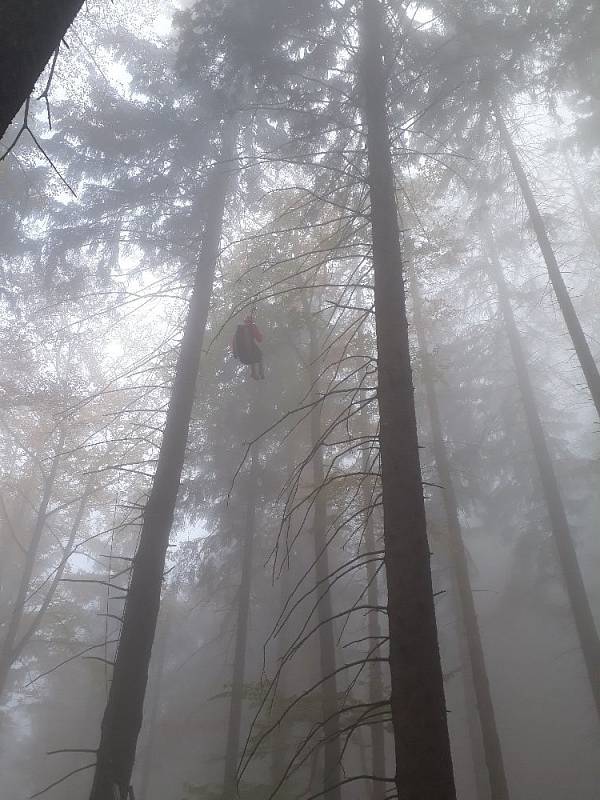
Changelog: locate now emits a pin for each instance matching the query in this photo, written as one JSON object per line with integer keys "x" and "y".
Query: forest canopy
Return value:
{"x": 300, "y": 400}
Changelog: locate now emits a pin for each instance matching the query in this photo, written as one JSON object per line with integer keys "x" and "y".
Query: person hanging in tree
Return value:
{"x": 245, "y": 347}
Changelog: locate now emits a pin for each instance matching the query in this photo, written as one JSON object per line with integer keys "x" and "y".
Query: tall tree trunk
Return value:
{"x": 29, "y": 33}
{"x": 123, "y": 715}
{"x": 232, "y": 747}
{"x": 329, "y": 690}
{"x": 9, "y": 646}
{"x": 374, "y": 628}
{"x": 498, "y": 783}
{"x": 561, "y": 533}
{"x": 423, "y": 759}
{"x": 580, "y": 343}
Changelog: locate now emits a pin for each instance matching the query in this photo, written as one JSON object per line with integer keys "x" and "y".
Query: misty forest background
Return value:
{"x": 181, "y": 165}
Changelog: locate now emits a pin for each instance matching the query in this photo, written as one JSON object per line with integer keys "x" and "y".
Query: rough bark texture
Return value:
{"x": 423, "y": 760}
{"x": 498, "y": 784}
{"x": 580, "y": 343}
{"x": 561, "y": 533}
{"x": 30, "y": 31}
{"x": 329, "y": 699}
{"x": 123, "y": 715}
{"x": 232, "y": 747}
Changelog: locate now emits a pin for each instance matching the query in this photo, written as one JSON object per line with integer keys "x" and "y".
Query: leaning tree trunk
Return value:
{"x": 580, "y": 343}
{"x": 329, "y": 690}
{"x": 588, "y": 219}
{"x": 561, "y": 533}
{"x": 123, "y": 715}
{"x": 10, "y": 649}
{"x": 30, "y": 31}
{"x": 232, "y": 747}
{"x": 498, "y": 784}
{"x": 423, "y": 759}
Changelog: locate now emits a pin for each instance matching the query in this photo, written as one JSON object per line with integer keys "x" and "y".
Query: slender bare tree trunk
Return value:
{"x": 498, "y": 783}
{"x": 423, "y": 759}
{"x": 580, "y": 343}
{"x": 68, "y": 552}
{"x": 30, "y": 31}
{"x": 561, "y": 533}
{"x": 281, "y": 742}
{"x": 374, "y": 628}
{"x": 10, "y": 649}
{"x": 480, "y": 771}
{"x": 232, "y": 747}
{"x": 329, "y": 690}
{"x": 123, "y": 715}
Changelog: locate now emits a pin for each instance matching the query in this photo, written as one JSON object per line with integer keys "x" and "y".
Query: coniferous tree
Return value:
{"x": 496, "y": 774}
{"x": 578, "y": 337}
{"x": 123, "y": 716}
{"x": 29, "y": 34}
{"x": 423, "y": 760}
{"x": 571, "y": 572}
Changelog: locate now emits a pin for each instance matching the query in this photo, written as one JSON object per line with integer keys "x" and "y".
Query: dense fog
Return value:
{"x": 300, "y": 400}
